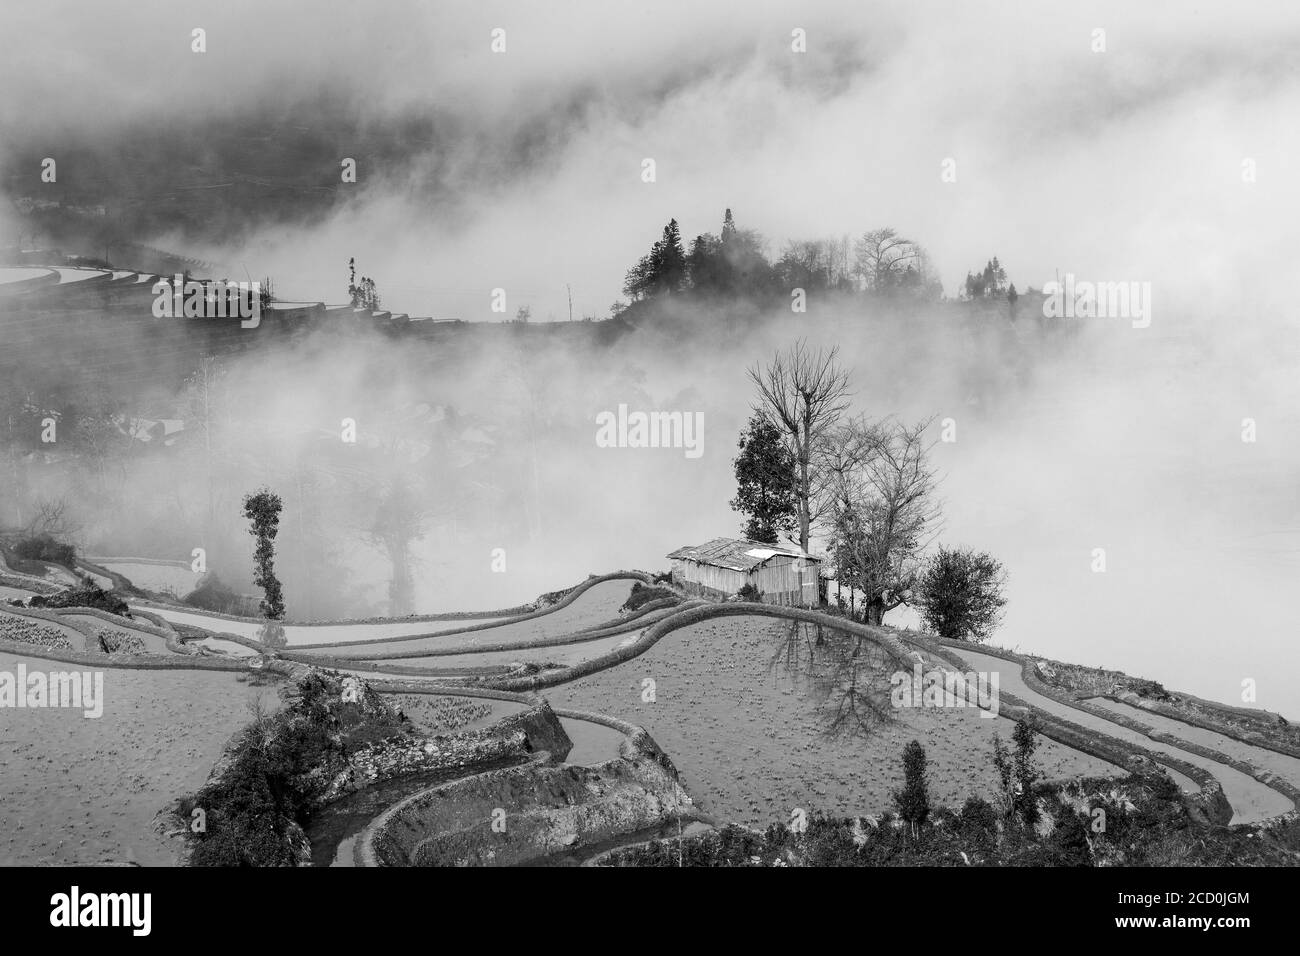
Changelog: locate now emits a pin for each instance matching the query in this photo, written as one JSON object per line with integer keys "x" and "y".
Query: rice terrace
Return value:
{"x": 889, "y": 516}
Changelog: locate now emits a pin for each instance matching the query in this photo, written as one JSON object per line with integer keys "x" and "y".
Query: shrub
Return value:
{"x": 1026, "y": 774}
{"x": 43, "y": 547}
{"x": 1017, "y": 774}
{"x": 750, "y": 593}
{"x": 1006, "y": 773}
{"x": 280, "y": 768}
{"x": 960, "y": 594}
{"x": 87, "y": 596}
{"x": 979, "y": 821}
{"x": 214, "y": 595}
{"x": 1068, "y": 844}
{"x": 913, "y": 801}
{"x": 643, "y": 594}
{"x": 830, "y": 843}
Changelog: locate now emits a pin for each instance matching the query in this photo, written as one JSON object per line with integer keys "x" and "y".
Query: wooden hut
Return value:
{"x": 719, "y": 569}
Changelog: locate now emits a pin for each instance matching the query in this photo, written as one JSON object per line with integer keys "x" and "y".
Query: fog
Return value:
{"x": 1122, "y": 165}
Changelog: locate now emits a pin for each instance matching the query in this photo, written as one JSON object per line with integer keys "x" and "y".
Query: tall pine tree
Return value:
{"x": 661, "y": 270}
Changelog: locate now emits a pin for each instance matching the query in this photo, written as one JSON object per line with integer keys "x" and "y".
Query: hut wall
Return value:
{"x": 782, "y": 580}
{"x": 707, "y": 579}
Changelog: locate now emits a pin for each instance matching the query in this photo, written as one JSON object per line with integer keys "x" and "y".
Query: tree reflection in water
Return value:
{"x": 845, "y": 675}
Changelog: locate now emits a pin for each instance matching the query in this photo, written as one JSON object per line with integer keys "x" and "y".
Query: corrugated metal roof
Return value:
{"x": 736, "y": 554}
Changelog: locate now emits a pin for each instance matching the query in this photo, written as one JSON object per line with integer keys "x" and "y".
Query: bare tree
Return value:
{"x": 805, "y": 393}
{"x": 841, "y": 454}
{"x": 882, "y": 509}
{"x": 50, "y": 517}
{"x": 884, "y": 260}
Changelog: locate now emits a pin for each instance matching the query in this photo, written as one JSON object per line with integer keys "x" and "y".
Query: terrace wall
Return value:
{"x": 548, "y": 809}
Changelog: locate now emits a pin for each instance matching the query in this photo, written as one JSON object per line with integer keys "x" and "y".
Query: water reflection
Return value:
{"x": 845, "y": 675}
{"x": 272, "y": 635}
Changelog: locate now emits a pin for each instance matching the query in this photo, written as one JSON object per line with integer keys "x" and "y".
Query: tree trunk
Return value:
{"x": 874, "y": 611}
{"x": 805, "y": 486}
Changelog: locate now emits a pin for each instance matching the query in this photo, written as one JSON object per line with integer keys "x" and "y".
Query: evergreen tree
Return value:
{"x": 988, "y": 282}
{"x": 662, "y": 270}
{"x": 913, "y": 801}
{"x": 1026, "y": 773}
{"x": 263, "y": 510}
{"x": 728, "y": 228}
{"x": 704, "y": 264}
{"x": 767, "y": 487}
{"x": 670, "y": 275}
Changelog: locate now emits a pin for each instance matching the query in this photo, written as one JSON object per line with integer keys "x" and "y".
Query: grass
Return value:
{"x": 1144, "y": 824}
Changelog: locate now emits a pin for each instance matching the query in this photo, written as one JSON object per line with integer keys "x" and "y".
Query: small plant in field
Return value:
{"x": 913, "y": 801}
{"x": 1026, "y": 773}
{"x": 1069, "y": 844}
{"x": 978, "y": 822}
{"x": 1017, "y": 773}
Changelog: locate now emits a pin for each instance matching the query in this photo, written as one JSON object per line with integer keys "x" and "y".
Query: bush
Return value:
{"x": 643, "y": 594}
{"x": 1068, "y": 845}
{"x": 913, "y": 801}
{"x": 830, "y": 843}
{"x": 960, "y": 594}
{"x": 280, "y": 769}
{"x": 88, "y": 596}
{"x": 214, "y": 595}
{"x": 1142, "y": 829}
{"x": 43, "y": 547}
{"x": 979, "y": 822}
{"x": 1026, "y": 773}
{"x": 1017, "y": 773}
{"x": 750, "y": 593}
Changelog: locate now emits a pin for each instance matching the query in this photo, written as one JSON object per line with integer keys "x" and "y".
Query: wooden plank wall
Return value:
{"x": 781, "y": 580}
